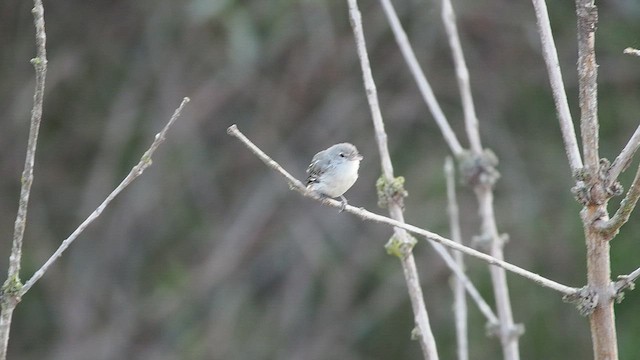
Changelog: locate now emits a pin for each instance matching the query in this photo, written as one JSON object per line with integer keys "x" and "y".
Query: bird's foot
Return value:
{"x": 343, "y": 204}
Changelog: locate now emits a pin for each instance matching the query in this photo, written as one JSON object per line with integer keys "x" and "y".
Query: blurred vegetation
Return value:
{"x": 209, "y": 256}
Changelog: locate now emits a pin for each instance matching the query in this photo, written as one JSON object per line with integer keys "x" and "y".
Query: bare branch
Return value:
{"x": 550, "y": 55}
{"x": 364, "y": 214}
{"x": 137, "y": 170}
{"x": 587, "y": 80}
{"x": 426, "y": 338}
{"x": 462, "y": 73}
{"x": 371, "y": 91}
{"x": 40, "y": 65}
{"x": 621, "y": 163}
{"x": 602, "y": 318}
{"x": 9, "y": 293}
{"x": 421, "y": 79}
{"x": 459, "y": 299}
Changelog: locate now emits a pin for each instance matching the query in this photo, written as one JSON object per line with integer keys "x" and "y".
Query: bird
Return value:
{"x": 333, "y": 171}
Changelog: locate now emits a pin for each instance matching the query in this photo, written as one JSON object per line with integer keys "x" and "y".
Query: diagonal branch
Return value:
{"x": 145, "y": 162}
{"x": 462, "y": 73}
{"x": 421, "y": 79}
{"x": 550, "y": 55}
{"x": 296, "y": 185}
{"x": 621, "y": 163}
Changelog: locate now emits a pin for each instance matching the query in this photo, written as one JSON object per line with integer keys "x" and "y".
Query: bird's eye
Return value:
{"x": 342, "y": 155}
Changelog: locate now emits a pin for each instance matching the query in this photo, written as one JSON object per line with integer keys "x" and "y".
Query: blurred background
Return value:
{"x": 210, "y": 256}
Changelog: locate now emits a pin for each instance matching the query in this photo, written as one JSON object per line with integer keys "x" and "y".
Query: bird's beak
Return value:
{"x": 358, "y": 157}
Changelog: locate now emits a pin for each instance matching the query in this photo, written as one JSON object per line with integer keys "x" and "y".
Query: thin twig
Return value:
{"x": 426, "y": 338}
{"x": 550, "y": 55}
{"x": 626, "y": 281}
{"x": 40, "y": 65}
{"x": 621, "y": 163}
{"x": 462, "y": 74}
{"x": 137, "y": 170}
{"x": 364, "y": 214}
{"x": 624, "y": 211}
{"x": 459, "y": 299}
{"x": 421, "y": 79}
{"x": 8, "y": 294}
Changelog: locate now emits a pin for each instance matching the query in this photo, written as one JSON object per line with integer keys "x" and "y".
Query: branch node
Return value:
{"x": 590, "y": 191}
{"x": 10, "y": 291}
{"x": 400, "y": 248}
{"x": 512, "y": 332}
{"x": 589, "y": 16}
{"x": 392, "y": 192}
{"x": 624, "y": 282}
{"x": 484, "y": 241}
{"x": 585, "y": 299}
{"x": 416, "y": 334}
{"x": 479, "y": 169}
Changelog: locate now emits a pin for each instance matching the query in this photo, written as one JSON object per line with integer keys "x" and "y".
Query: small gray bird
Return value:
{"x": 334, "y": 170}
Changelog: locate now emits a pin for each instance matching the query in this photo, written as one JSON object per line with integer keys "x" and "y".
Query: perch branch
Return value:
{"x": 295, "y": 184}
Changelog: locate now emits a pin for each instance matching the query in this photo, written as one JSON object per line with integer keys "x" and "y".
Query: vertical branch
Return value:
{"x": 587, "y": 78}
{"x": 602, "y": 319}
{"x": 9, "y": 297}
{"x": 40, "y": 65}
{"x": 424, "y": 333}
{"x": 462, "y": 74}
{"x": 460, "y": 303}
{"x": 508, "y": 331}
{"x": 550, "y": 56}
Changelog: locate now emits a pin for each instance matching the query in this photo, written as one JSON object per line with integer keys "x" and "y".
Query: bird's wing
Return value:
{"x": 315, "y": 169}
